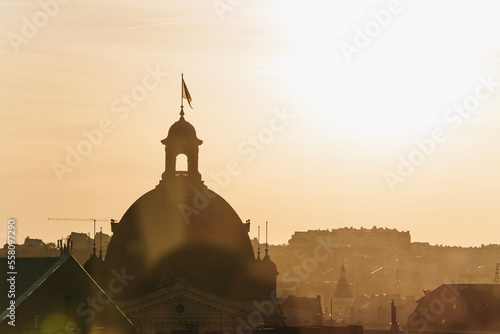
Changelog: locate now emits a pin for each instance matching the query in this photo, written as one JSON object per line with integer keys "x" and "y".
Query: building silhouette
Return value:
{"x": 457, "y": 308}
{"x": 188, "y": 252}
{"x": 342, "y": 300}
{"x": 56, "y": 295}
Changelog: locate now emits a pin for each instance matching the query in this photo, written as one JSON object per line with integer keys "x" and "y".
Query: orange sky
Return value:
{"x": 360, "y": 83}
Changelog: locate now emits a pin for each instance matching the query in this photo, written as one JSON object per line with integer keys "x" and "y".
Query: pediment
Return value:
{"x": 186, "y": 303}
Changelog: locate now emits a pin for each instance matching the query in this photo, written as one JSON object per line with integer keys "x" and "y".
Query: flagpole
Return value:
{"x": 182, "y": 96}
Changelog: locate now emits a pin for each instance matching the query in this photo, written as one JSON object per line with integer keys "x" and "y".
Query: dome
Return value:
{"x": 163, "y": 231}
{"x": 182, "y": 129}
{"x": 269, "y": 266}
{"x": 264, "y": 273}
{"x": 96, "y": 268}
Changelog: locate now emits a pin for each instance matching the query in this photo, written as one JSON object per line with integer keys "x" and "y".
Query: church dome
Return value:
{"x": 182, "y": 129}
{"x": 182, "y": 230}
{"x": 161, "y": 228}
{"x": 269, "y": 266}
{"x": 92, "y": 263}
{"x": 96, "y": 268}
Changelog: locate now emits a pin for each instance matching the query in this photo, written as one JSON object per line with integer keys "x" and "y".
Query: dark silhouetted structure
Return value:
{"x": 189, "y": 253}
{"x": 52, "y": 296}
{"x": 342, "y": 300}
{"x": 458, "y": 308}
{"x": 183, "y": 230}
{"x": 342, "y": 290}
{"x": 394, "y": 322}
{"x": 302, "y": 311}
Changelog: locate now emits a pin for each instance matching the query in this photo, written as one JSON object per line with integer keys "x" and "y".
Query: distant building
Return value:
{"x": 375, "y": 312}
{"x": 457, "y": 308}
{"x": 302, "y": 311}
{"x": 343, "y": 300}
{"x": 33, "y": 244}
{"x": 351, "y": 237}
{"x": 81, "y": 240}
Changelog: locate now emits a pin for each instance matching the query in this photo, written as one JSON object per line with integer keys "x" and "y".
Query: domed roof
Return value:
{"x": 268, "y": 265}
{"x": 95, "y": 267}
{"x": 162, "y": 224}
{"x": 181, "y": 129}
{"x": 92, "y": 263}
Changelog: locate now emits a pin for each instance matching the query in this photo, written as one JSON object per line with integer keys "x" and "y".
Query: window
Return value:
{"x": 181, "y": 163}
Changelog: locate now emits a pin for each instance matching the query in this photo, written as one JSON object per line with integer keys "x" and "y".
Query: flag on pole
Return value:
{"x": 185, "y": 93}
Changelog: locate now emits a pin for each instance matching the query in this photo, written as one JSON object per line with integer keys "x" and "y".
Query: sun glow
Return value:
{"x": 384, "y": 92}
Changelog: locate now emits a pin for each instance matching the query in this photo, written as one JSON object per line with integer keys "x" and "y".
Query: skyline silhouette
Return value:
{"x": 145, "y": 144}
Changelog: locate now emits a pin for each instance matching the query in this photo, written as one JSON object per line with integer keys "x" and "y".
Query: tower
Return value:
{"x": 181, "y": 143}
{"x": 95, "y": 266}
{"x": 342, "y": 298}
{"x": 342, "y": 290}
{"x": 270, "y": 271}
{"x": 264, "y": 273}
{"x": 182, "y": 231}
{"x": 258, "y": 259}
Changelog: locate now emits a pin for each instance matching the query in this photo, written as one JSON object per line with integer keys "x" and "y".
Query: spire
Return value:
{"x": 342, "y": 270}
{"x": 100, "y": 245}
{"x": 266, "y": 241}
{"x": 258, "y": 245}
{"x": 267, "y": 272}
{"x": 93, "y": 249}
{"x": 342, "y": 289}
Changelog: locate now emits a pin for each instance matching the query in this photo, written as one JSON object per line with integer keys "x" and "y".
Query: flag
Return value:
{"x": 185, "y": 93}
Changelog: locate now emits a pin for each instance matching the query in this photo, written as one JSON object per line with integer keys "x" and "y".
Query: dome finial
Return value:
{"x": 93, "y": 249}
{"x": 100, "y": 245}
{"x": 266, "y": 239}
{"x": 182, "y": 95}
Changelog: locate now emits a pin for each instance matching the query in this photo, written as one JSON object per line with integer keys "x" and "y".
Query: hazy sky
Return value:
{"x": 389, "y": 111}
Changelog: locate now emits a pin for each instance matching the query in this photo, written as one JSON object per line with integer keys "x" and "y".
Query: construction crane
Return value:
{"x": 84, "y": 220}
